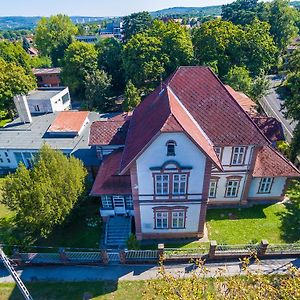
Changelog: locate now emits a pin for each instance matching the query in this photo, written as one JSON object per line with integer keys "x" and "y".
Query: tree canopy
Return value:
{"x": 136, "y": 23}
{"x": 43, "y": 196}
{"x": 132, "y": 97}
{"x": 53, "y": 35}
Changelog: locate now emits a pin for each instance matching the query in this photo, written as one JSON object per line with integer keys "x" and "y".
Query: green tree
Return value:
{"x": 13, "y": 81}
{"x": 41, "y": 62}
{"x": 45, "y": 195}
{"x": 132, "y": 97}
{"x": 143, "y": 60}
{"x": 53, "y": 35}
{"x": 80, "y": 60}
{"x": 243, "y": 11}
{"x": 136, "y": 23}
{"x": 110, "y": 60}
{"x": 260, "y": 86}
{"x": 14, "y": 52}
{"x": 239, "y": 79}
{"x": 282, "y": 18}
{"x": 97, "y": 88}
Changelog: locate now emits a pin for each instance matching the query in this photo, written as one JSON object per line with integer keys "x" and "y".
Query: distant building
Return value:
{"x": 295, "y": 44}
{"x": 48, "y": 77}
{"x": 90, "y": 39}
{"x": 46, "y": 100}
{"x": 113, "y": 29}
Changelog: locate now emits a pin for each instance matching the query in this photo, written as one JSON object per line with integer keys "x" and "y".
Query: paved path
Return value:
{"x": 271, "y": 104}
{"x": 134, "y": 272}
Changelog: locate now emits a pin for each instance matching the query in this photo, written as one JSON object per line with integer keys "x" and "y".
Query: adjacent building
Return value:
{"x": 187, "y": 146}
{"x": 48, "y": 77}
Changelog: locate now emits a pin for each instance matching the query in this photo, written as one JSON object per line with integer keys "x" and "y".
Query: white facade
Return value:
{"x": 278, "y": 185}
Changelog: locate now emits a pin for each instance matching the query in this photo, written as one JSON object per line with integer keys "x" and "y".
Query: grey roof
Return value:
{"x": 41, "y": 71}
{"x": 44, "y": 94}
{"x": 32, "y": 136}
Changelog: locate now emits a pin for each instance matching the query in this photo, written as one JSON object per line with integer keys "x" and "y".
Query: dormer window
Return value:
{"x": 171, "y": 148}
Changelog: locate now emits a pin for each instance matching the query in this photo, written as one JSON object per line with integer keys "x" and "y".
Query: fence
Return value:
{"x": 213, "y": 251}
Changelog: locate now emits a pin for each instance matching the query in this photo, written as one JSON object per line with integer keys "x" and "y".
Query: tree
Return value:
{"x": 13, "y": 81}
{"x": 14, "y": 52}
{"x": 80, "y": 59}
{"x": 97, "y": 85}
{"x": 260, "y": 86}
{"x": 143, "y": 60}
{"x": 156, "y": 53}
{"x": 282, "y": 18}
{"x": 53, "y": 35}
{"x": 243, "y": 11}
{"x": 110, "y": 60}
{"x": 44, "y": 196}
{"x": 136, "y": 23}
{"x": 239, "y": 79}
{"x": 41, "y": 62}
{"x": 132, "y": 97}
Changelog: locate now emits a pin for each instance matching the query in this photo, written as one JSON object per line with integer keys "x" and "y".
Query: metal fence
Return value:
{"x": 184, "y": 253}
{"x": 141, "y": 255}
{"x": 283, "y": 249}
{"x": 237, "y": 249}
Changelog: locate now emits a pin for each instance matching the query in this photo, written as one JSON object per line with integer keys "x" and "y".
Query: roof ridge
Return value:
{"x": 236, "y": 103}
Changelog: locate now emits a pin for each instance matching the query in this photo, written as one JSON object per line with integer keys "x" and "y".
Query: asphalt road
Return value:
{"x": 271, "y": 103}
{"x": 141, "y": 272}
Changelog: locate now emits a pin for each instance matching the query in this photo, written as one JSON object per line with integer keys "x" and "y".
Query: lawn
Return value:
{"x": 4, "y": 122}
{"x": 239, "y": 226}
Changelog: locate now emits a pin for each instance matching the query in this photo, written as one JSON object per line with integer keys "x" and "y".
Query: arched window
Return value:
{"x": 171, "y": 148}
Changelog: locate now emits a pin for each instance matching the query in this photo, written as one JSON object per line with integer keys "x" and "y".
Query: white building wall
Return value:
{"x": 276, "y": 190}
{"x": 187, "y": 154}
{"x": 192, "y": 219}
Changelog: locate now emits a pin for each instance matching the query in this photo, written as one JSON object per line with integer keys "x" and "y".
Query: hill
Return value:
{"x": 189, "y": 11}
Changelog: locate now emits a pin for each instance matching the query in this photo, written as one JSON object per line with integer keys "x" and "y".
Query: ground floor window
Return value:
{"x": 106, "y": 202}
{"x": 265, "y": 185}
{"x": 232, "y": 188}
{"x": 169, "y": 217}
{"x": 161, "y": 220}
{"x": 213, "y": 188}
{"x": 129, "y": 202}
{"x": 178, "y": 219}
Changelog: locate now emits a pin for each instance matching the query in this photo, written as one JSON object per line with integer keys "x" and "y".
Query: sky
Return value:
{"x": 93, "y": 7}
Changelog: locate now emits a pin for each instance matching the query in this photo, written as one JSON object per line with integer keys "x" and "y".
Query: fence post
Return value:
{"x": 104, "y": 256}
{"x": 62, "y": 254}
{"x": 263, "y": 247}
{"x": 122, "y": 256}
{"x": 212, "y": 249}
{"x": 160, "y": 254}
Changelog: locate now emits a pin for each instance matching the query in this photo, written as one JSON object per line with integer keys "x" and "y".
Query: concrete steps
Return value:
{"x": 118, "y": 229}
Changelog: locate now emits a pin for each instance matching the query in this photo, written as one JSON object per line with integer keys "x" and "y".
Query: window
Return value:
{"x": 218, "y": 151}
{"x": 179, "y": 183}
{"x": 265, "y": 185}
{"x": 232, "y": 188}
{"x": 238, "y": 154}
{"x": 28, "y": 159}
{"x": 178, "y": 219}
{"x": 171, "y": 148}
{"x": 19, "y": 157}
{"x": 212, "y": 188}
{"x": 161, "y": 220}
{"x": 106, "y": 202}
{"x": 162, "y": 184}
{"x": 129, "y": 202}
{"x": 8, "y": 160}
{"x": 36, "y": 108}
{"x": 1, "y": 160}
{"x": 6, "y": 154}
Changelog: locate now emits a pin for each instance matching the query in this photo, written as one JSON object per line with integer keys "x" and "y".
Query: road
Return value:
{"x": 141, "y": 272}
{"x": 271, "y": 103}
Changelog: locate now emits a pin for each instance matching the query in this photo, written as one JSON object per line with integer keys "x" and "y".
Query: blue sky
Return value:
{"x": 92, "y": 7}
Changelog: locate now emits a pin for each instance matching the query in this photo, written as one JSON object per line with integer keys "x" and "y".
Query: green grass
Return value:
{"x": 4, "y": 122}
{"x": 64, "y": 291}
{"x": 246, "y": 224}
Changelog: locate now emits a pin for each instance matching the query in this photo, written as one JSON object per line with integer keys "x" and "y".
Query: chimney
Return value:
{"x": 22, "y": 108}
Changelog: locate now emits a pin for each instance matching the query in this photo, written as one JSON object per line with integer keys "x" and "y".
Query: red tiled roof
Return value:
{"x": 247, "y": 104}
{"x": 68, "y": 121}
{"x": 271, "y": 163}
{"x": 194, "y": 101}
{"x": 271, "y": 128}
{"x": 109, "y": 132}
{"x": 107, "y": 181}
{"x": 213, "y": 108}
{"x": 161, "y": 111}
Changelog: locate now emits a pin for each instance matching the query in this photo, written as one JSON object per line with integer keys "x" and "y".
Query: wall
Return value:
{"x": 187, "y": 155}
{"x": 276, "y": 190}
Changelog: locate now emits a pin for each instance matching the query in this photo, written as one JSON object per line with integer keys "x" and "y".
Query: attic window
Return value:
{"x": 171, "y": 148}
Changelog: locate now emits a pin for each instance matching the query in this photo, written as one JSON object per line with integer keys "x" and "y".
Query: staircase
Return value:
{"x": 118, "y": 229}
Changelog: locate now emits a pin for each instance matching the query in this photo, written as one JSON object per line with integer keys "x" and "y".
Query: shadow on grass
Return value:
{"x": 254, "y": 212}
{"x": 290, "y": 222}
{"x": 61, "y": 291}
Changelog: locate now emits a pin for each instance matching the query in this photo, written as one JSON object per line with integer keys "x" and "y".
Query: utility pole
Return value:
{"x": 15, "y": 276}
